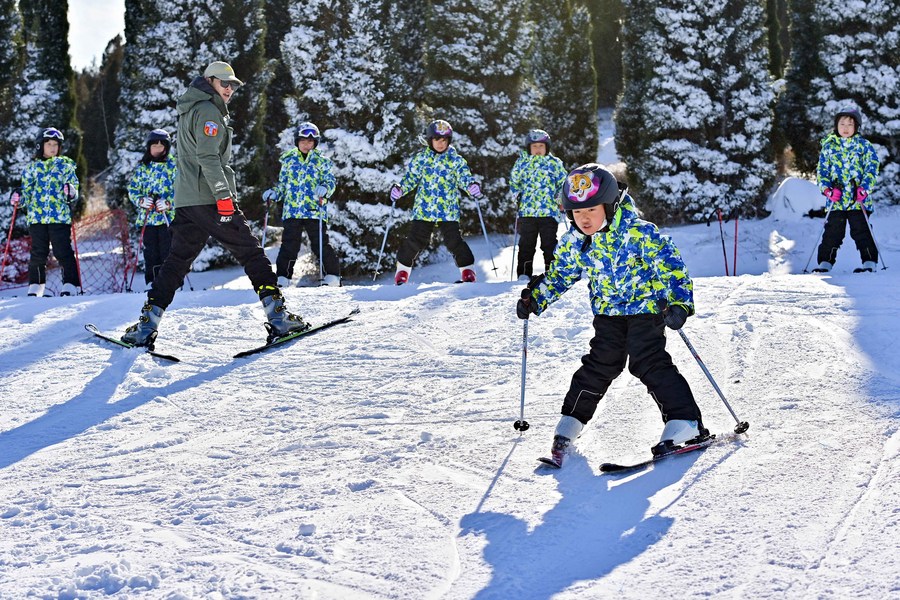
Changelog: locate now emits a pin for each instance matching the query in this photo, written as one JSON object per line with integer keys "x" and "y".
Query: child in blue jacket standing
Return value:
{"x": 848, "y": 169}
{"x": 152, "y": 191}
{"x": 535, "y": 182}
{"x": 305, "y": 183}
{"x": 49, "y": 193}
{"x": 436, "y": 173}
{"x": 638, "y": 286}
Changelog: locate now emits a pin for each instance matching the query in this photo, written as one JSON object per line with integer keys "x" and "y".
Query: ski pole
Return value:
{"x": 734, "y": 268}
{"x": 722, "y": 235}
{"x": 384, "y": 241}
{"x": 77, "y": 258}
{"x": 741, "y": 426}
{"x": 265, "y": 226}
{"x": 9, "y": 236}
{"x": 140, "y": 247}
{"x": 169, "y": 224}
{"x": 321, "y": 265}
{"x": 484, "y": 230}
{"x": 872, "y": 231}
{"x": 522, "y": 425}
{"x": 512, "y": 268}
{"x": 821, "y": 233}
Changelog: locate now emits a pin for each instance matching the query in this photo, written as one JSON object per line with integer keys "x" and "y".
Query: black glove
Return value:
{"x": 527, "y": 304}
{"x": 675, "y": 316}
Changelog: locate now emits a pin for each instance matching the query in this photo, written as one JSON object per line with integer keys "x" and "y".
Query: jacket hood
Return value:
{"x": 200, "y": 91}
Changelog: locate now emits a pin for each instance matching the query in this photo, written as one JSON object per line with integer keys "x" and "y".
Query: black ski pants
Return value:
{"x": 833, "y": 236}
{"x": 157, "y": 242}
{"x": 190, "y": 229}
{"x": 290, "y": 247}
{"x": 420, "y": 236}
{"x": 59, "y": 235}
{"x": 641, "y": 340}
{"x": 529, "y": 230}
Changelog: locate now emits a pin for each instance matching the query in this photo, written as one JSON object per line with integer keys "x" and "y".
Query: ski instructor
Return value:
{"x": 205, "y": 193}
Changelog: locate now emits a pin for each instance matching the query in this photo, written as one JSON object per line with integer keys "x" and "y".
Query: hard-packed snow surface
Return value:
{"x": 378, "y": 459}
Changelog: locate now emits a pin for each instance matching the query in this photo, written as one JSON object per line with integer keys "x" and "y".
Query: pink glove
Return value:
{"x": 861, "y": 195}
{"x": 474, "y": 190}
{"x": 833, "y": 194}
{"x": 396, "y": 192}
{"x": 14, "y": 198}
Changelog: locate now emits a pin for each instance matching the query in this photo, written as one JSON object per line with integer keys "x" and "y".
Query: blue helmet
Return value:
{"x": 307, "y": 131}
{"x": 537, "y": 136}
{"x": 439, "y": 129}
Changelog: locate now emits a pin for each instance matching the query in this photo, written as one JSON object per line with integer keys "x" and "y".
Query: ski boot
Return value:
{"x": 68, "y": 289}
{"x": 36, "y": 289}
{"x": 678, "y": 432}
{"x": 823, "y": 267}
{"x": 332, "y": 280}
{"x": 467, "y": 274}
{"x": 402, "y": 274}
{"x": 867, "y": 267}
{"x": 280, "y": 321}
{"x": 559, "y": 449}
{"x": 143, "y": 333}
{"x": 283, "y": 281}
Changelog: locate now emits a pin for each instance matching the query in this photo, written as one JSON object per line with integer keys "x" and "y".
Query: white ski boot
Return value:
{"x": 402, "y": 274}
{"x": 143, "y": 333}
{"x": 36, "y": 289}
{"x": 567, "y": 430}
{"x": 823, "y": 267}
{"x": 68, "y": 290}
{"x": 678, "y": 432}
{"x": 331, "y": 281}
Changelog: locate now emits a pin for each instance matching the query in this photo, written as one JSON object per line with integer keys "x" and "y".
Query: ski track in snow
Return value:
{"x": 377, "y": 459}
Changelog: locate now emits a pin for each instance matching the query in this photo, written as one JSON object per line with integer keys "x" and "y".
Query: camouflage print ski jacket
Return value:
{"x": 536, "y": 181}
{"x": 297, "y": 182}
{"x": 845, "y": 163}
{"x": 629, "y": 268}
{"x": 204, "y": 147}
{"x": 42, "y": 190}
{"x": 154, "y": 180}
{"x": 438, "y": 178}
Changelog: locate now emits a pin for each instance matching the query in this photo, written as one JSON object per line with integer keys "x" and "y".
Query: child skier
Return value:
{"x": 152, "y": 191}
{"x": 638, "y": 285}
{"x": 49, "y": 193}
{"x": 535, "y": 182}
{"x": 305, "y": 183}
{"x": 436, "y": 173}
{"x": 848, "y": 168}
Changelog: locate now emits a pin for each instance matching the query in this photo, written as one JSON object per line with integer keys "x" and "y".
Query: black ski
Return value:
{"x": 148, "y": 349}
{"x": 863, "y": 270}
{"x": 617, "y": 468}
{"x": 544, "y": 460}
{"x": 293, "y": 336}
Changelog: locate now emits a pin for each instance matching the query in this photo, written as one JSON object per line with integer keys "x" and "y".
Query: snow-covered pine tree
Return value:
{"x": 356, "y": 70}
{"x": 859, "y": 51}
{"x": 702, "y": 82}
{"x": 44, "y": 93}
{"x": 11, "y": 62}
{"x": 169, "y": 43}
{"x": 563, "y": 71}
{"x": 800, "y": 127}
{"x": 475, "y": 79}
{"x": 606, "y": 39}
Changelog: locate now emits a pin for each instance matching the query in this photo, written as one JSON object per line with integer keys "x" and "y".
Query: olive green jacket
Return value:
{"x": 204, "y": 147}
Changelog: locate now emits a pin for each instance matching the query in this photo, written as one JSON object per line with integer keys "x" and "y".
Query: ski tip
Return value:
{"x": 549, "y": 462}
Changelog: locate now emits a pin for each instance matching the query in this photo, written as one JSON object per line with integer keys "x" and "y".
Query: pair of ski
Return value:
{"x": 278, "y": 341}
{"x": 621, "y": 468}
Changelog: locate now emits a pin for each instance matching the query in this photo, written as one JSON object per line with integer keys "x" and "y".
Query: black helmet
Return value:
{"x": 307, "y": 131}
{"x": 50, "y": 133}
{"x": 591, "y": 185}
{"x": 537, "y": 136}
{"x": 849, "y": 111}
{"x": 439, "y": 129}
{"x": 159, "y": 135}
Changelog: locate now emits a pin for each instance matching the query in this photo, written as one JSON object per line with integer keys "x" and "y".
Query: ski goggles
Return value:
{"x": 52, "y": 133}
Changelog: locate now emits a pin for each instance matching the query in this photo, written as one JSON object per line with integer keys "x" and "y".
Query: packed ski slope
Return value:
{"x": 378, "y": 459}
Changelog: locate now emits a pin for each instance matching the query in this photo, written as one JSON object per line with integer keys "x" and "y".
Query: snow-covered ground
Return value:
{"x": 378, "y": 459}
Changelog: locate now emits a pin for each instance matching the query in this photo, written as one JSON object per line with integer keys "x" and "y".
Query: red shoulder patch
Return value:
{"x": 211, "y": 128}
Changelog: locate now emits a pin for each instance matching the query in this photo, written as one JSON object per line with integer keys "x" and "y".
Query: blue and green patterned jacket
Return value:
{"x": 843, "y": 161}
{"x": 629, "y": 267}
{"x": 438, "y": 178}
{"x": 297, "y": 182}
{"x": 42, "y": 190}
{"x": 537, "y": 181}
{"x": 156, "y": 180}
